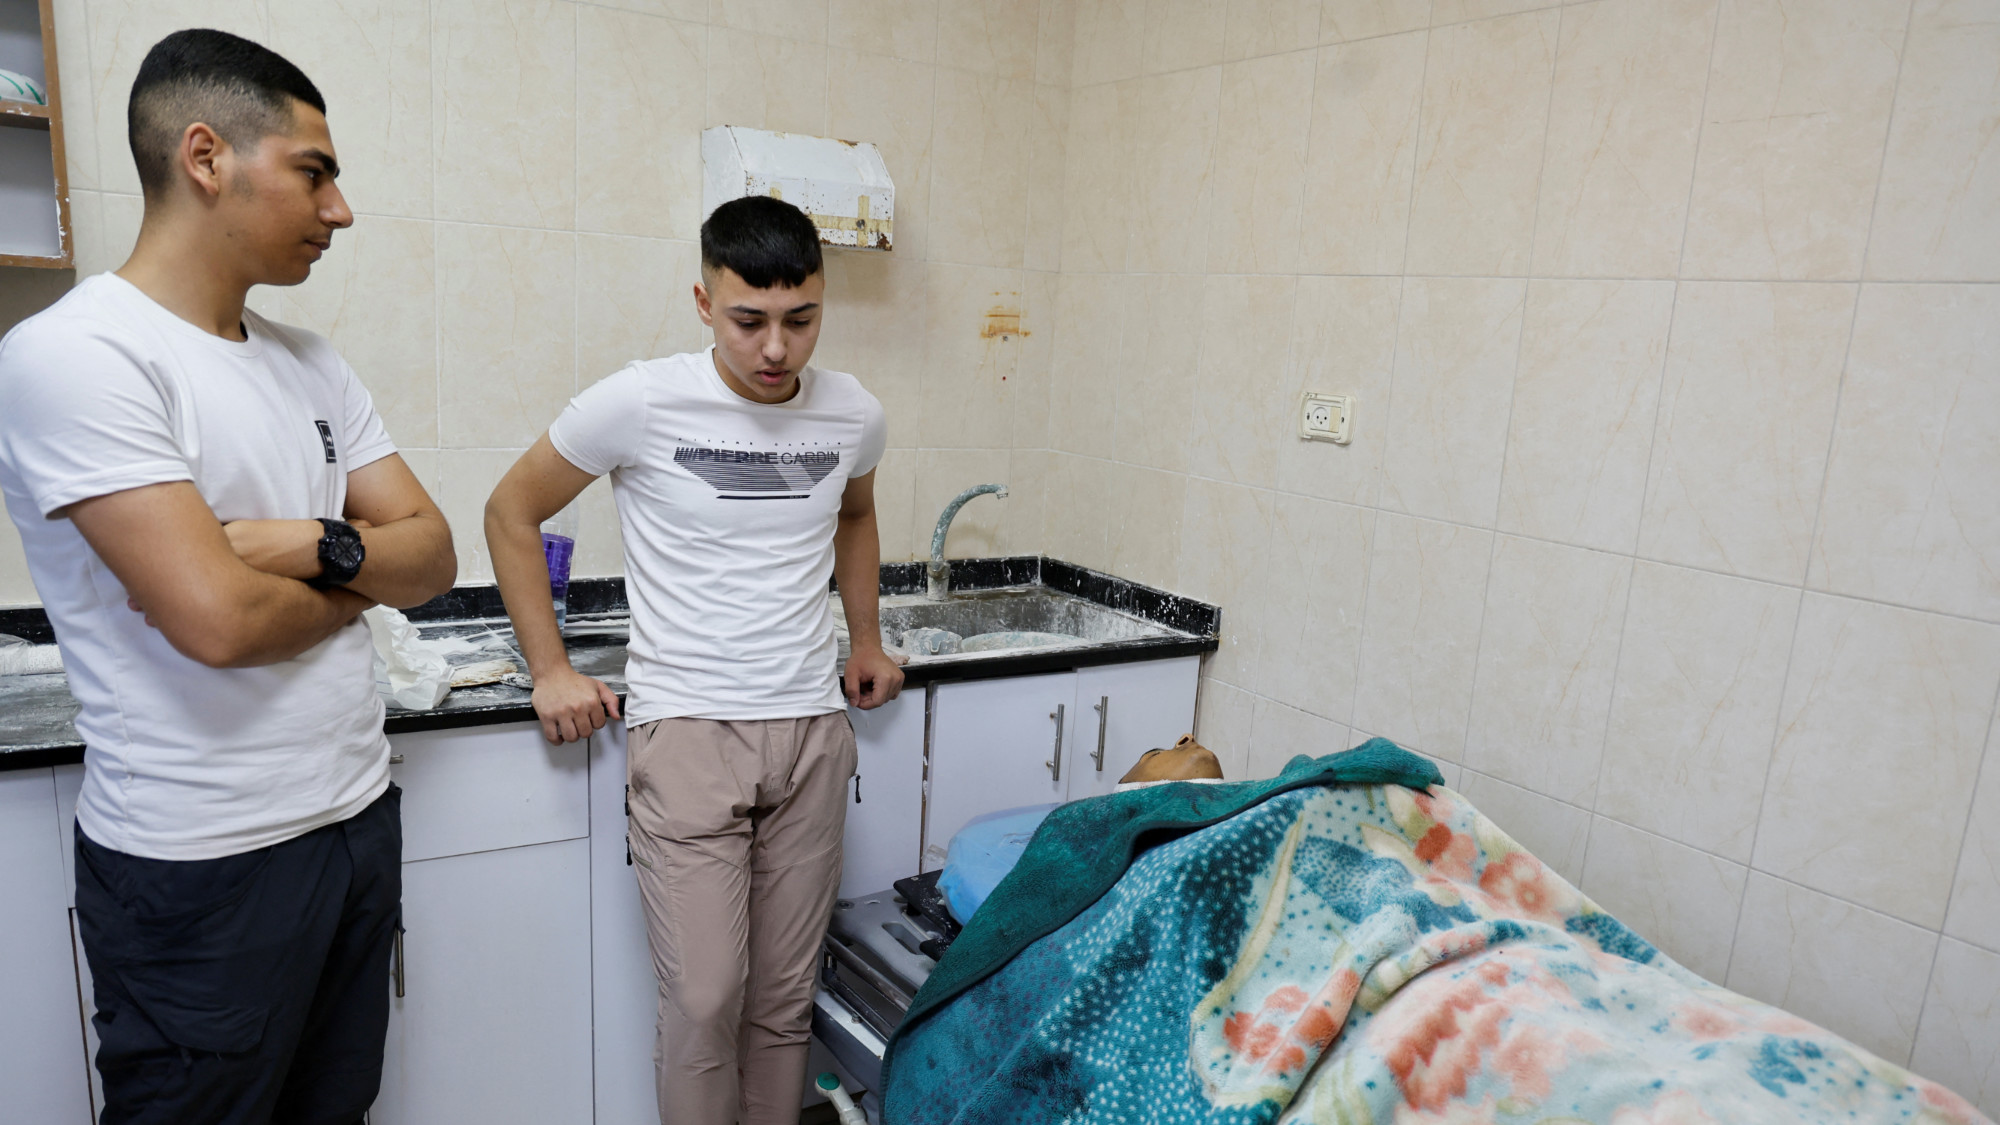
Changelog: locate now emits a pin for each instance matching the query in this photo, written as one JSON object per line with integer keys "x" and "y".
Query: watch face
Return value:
{"x": 347, "y": 554}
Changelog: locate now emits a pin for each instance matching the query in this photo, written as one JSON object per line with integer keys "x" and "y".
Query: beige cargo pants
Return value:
{"x": 735, "y": 832}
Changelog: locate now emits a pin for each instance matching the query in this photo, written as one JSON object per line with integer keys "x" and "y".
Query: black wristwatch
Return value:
{"x": 340, "y": 554}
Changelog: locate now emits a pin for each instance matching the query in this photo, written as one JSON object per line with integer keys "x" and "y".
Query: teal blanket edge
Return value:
{"x": 1084, "y": 847}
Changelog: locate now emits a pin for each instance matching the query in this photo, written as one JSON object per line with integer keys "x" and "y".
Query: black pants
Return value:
{"x": 245, "y": 990}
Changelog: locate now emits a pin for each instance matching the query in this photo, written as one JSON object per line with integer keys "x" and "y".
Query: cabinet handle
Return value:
{"x": 398, "y": 951}
{"x": 1103, "y": 710}
{"x": 1055, "y": 763}
{"x": 395, "y": 759}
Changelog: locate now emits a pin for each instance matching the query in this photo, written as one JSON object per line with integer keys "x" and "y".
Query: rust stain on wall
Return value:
{"x": 1002, "y": 321}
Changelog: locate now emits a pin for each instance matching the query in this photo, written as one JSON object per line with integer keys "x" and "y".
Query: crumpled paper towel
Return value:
{"x": 408, "y": 673}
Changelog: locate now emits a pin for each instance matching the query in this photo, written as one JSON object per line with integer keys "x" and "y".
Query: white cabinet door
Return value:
{"x": 885, "y": 827}
{"x": 480, "y": 789}
{"x": 1131, "y": 708}
{"x": 992, "y": 745}
{"x": 623, "y": 990}
{"x": 494, "y": 1026}
{"x": 43, "y": 1073}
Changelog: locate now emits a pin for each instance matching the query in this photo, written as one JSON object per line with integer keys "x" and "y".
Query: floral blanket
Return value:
{"x": 1371, "y": 953}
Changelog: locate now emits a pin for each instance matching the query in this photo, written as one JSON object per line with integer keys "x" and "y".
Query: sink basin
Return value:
{"x": 1011, "y": 618}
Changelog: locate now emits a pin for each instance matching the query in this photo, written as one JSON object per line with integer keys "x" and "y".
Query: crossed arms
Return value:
{"x": 234, "y": 595}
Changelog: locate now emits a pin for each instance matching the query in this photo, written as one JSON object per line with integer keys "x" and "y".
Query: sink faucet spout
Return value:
{"x": 937, "y": 574}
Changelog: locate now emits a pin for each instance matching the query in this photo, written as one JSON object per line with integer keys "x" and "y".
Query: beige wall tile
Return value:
{"x": 638, "y": 124}
{"x": 466, "y": 477}
{"x": 1238, "y": 419}
{"x": 1260, "y": 164}
{"x": 1076, "y": 527}
{"x": 1975, "y": 895}
{"x": 1911, "y": 514}
{"x": 423, "y": 464}
{"x": 1885, "y": 713}
{"x": 1581, "y": 429}
{"x": 1556, "y": 833}
{"x": 888, "y": 102}
{"x": 1029, "y": 385}
{"x": 1142, "y": 513}
{"x": 1182, "y": 34}
{"x": 1279, "y": 733}
{"x": 1361, "y": 155}
{"x": 1161, "y": 342}
{"x": 1420, "y": 633}
{"x": 1790, "y": 154}
{"x": 1622, "y": 128}
{"x": 1254, "y": 28}
{"x": 375, "y": 296}
{"x": 1222, "y": 720}
{"x": 16, "y": 587}
{"x": 766, "y": 82}
{"x": 1682, "y": 900}
{"x": 905, "y": 29}
{"x": 1098, "y": 179}
{"x": 1853, "y": 971}
{"x": 1547, "y": 654}
{"x": 1110, "y": 40}
{"x": 1343, "y": 342}
{"x": 980, "y": 169}
{"x": 1975, "y": 900}
{"x": 875, "y": 316}
{"x": 1048, "y": 167}
{"x": 990, "y": 36}
{"x": 121, "y": 32}
{"x": 790, "y": 19}
{"x": 78, "y": 92}
{"x": 115, "y": 231}
{"x": 1317, "y": 571}
{"x": 1055, "y": 42}
{"x": 1746, "y": 409}
{"x": 1444, "y": 12}
{"x": 1961, "y": 1020}
{"x": 1224, "y": 531}
{"x": 1173, "y": 169}
{"x": 1084, "y": 373}
{"x": 1343, "y": 21}
{"x": 86, "y": 227}
{"x": 1937, "y": 216}
{"x": 970, "y": 354}
{"x": 1024, "y": 515}
{"x": 507, "y": 334}
{"x": 634, "y": 300}
{"x": 504, "y": 89}
{"x": 896, "y": 506}
{"x": 687, "y": 11}
{"x": 1455, "y": 355}
{"x": 976, "y": 532}
{"x": 1479, "y": 151}
{"x": 371, "y": 60}
{"x": 1700, "y": 674}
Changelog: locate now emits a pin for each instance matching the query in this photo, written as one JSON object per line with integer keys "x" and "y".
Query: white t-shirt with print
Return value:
{"x": 107, "y": 391}
{"x": 728, "y": 509}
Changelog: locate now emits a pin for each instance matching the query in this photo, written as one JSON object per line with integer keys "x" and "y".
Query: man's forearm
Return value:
{"x": 276, "y": 619}
{"x": 857, "y": 570}
{"x": 522, "y": 571}
{"x": 407, "y": 563}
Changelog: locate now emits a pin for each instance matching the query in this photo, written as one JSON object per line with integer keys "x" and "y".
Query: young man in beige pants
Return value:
{"x": 744, "y": 480}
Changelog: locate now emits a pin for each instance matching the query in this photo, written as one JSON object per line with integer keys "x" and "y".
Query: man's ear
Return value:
{"x": 201, "y": 154}
{"x": 702, "y": 304}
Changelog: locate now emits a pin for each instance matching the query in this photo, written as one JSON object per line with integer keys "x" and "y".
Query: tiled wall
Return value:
{"x": 1671, "y": 521}
{"x": 526, "y": 175}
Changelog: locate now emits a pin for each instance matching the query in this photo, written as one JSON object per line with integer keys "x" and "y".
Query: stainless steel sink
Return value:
{"x": 1063, "y": 620}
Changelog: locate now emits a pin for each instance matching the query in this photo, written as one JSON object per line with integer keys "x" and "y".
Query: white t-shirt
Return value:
{"x": 728, "y": 510}
{"x": 107, "y": 391}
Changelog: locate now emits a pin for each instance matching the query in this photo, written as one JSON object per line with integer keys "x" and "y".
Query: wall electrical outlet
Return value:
{"x": 1325, "y": 417}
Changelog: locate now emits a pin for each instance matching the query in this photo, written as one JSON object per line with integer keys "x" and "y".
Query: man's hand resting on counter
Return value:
{"x": 571, "y": 705}
{"x": 871, "y": 678}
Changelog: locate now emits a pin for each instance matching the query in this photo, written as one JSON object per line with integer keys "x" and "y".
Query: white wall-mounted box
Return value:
{"x": 842, "y": 185}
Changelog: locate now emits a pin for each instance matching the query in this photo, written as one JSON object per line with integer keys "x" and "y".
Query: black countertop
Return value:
{"x": 37, "y": 712}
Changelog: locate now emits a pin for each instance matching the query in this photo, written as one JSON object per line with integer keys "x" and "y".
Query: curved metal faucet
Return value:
{"x": 936, "y": 573}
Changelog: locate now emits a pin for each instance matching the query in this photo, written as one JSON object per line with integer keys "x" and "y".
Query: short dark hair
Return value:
{"x": 765, "y": 240}
{"x": 242, "y": 90}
